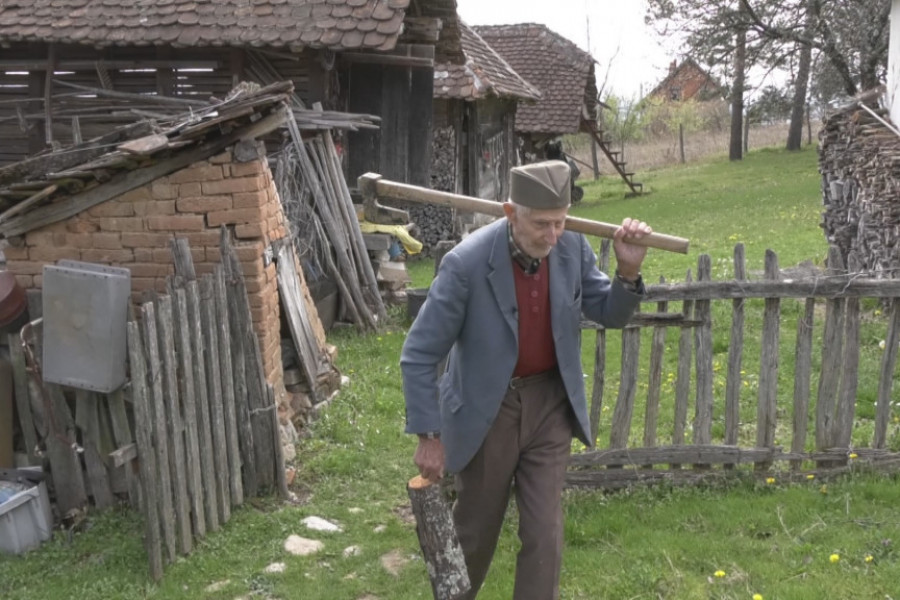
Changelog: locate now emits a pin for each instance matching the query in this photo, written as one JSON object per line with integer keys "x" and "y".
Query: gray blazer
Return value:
{"x": 470, "y": 312}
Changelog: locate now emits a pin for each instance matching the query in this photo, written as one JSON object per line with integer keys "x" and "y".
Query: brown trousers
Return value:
{"x": 529, "y": 443}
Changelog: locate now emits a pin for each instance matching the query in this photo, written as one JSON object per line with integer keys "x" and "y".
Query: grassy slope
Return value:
{"x": 770, "y": 539}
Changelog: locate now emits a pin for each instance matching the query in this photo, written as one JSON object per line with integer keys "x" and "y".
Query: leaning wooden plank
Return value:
{"x": 187, "y": 393}
{"x": 249, "y": 481}
{"x": 236, "y": 489}
{"x": 23, "y": 405}
{"x": 147, "y": 460}
{"x": 211, "y": 343}
{"x": 157, "y": 409}
{"x": 350, "y": 217}
{"x": 174, "y": 424}
{"x": 733, "y": 379}
{"x": 87, "y": 419}
{"x": 65, "y": 467}
{"x": 253, "y": 368}
{"x": 767, "y": 406}
{"x": 886, "y": 380}
{"x": 28, "y": 202}
{"x": 126, "y": 182}
{"x": 122, "y": 436}
{"x": 198, "y": 354}
{"x": 704, "y": 359}
{"x": 297, "y": 317}
{"x": 802, "y": 372}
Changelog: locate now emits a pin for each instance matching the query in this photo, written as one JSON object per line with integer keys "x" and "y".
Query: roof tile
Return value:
{"x": 352, "y": 39}
{"x": 277, "y": 23}
{"x": 484, "y": 74}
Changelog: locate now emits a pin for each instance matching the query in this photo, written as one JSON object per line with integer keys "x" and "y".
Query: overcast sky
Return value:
{"x": 619, "y": 41}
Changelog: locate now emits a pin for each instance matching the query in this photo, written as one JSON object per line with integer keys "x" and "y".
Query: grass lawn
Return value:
{"x": 814, "y": 540}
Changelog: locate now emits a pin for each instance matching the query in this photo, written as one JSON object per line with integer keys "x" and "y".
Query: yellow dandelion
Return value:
{"x": 757, "y": 597}
{"x": 834, "y": 558}
{"x": 770, "y": 480}
{"x": 869, "y": 558}
{"x": 810, "y": 477}
{"x": 853, "y": 455}
{"x": 877, "y": 312}
{"x": 720, "y": 573}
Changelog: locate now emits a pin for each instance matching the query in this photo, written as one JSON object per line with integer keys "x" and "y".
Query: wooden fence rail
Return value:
{"x": 820, "y": 427}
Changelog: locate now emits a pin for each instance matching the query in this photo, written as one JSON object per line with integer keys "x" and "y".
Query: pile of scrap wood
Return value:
{"x": 318, "y": 205}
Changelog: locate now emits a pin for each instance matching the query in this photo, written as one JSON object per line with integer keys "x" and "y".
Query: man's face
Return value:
{"x": 536, "y": 231}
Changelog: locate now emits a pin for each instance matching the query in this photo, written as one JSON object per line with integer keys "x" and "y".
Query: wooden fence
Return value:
{"x": 192, "y": 433}
{"x": 205, "y": 417}
{"x": 819, "y": 429}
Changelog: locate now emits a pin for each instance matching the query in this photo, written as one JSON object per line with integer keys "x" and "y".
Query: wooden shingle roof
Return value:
{"x": 562, "y": 72}
{"x": 484, "y": 74}
{"x": 332, "y": 24}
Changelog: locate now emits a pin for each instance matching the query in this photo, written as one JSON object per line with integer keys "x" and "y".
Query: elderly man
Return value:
{"x": 506, "y": 306}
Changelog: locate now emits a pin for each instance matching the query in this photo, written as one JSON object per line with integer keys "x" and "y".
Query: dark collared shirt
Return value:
{"x": 528, "y": 264}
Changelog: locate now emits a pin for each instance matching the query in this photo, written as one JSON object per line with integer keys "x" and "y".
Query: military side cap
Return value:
{"x": 544, "y": 185}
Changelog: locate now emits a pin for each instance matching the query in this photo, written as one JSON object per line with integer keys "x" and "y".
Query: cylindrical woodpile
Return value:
{"x": 859, "y": 158}
{"x": 443, "y": 159}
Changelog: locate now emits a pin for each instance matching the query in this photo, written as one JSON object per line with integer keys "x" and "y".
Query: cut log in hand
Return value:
{"x": 437, "y": 537}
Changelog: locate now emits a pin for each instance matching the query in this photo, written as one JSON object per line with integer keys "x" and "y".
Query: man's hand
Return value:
{"x": 630, "y": 256}
{"x": 429, "y": 458}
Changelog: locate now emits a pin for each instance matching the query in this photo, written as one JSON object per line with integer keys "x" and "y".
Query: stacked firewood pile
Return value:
{"x": 859, "y": 158}
{"x": 432, "y": 223}
{"x": 435, "y": 223}
{"x": 443, "y": 160}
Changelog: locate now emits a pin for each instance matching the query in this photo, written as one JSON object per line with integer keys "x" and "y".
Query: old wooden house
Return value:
{"x": 64, "y": 65}
{"x": 688, "y": 81}
{"x": 474, "y": 124}
{"x": 560, "y": 70}
{"x": 565, "y": 76}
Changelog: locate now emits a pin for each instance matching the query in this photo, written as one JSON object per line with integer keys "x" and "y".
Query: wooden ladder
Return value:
{"x": 636, "y": 187}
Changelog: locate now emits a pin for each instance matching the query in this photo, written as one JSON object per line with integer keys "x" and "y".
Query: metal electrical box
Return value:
{"x": 85, "y": 312}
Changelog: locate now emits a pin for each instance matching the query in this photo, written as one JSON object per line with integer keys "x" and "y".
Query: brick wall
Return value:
{"x": 135, "y": 229}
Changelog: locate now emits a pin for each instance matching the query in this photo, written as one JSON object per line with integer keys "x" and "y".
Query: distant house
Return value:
{"x": 474, "y": 120}
{"x": 688, "y": 81}
{"x": 560, "y": 70}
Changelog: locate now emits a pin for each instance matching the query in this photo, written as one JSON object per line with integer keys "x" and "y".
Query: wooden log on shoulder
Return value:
{"x": 437, "y": 537}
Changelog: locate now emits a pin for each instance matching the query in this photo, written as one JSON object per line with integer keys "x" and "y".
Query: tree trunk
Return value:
{"x": 795, "y": 131}
{"x": 735, "y": 148}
